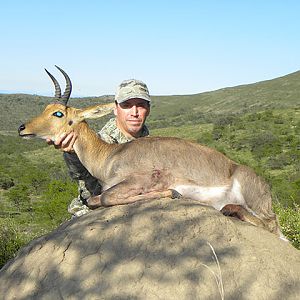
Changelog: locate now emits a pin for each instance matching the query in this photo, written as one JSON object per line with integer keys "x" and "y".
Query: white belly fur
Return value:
{"x": 215, "y": 196}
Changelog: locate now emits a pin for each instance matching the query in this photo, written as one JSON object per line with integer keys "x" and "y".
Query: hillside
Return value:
{"x": 282, "y": 92}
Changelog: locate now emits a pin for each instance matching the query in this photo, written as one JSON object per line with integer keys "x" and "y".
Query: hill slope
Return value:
{"x": 282, "y": 92}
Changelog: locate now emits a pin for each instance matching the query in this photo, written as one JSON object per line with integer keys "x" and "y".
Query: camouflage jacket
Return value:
{"x": 111, "y": 134}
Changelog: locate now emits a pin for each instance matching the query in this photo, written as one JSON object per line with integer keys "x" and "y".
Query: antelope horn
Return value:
{"x": 56, "y": 84}
{"x": 68, "y": 88}
{"x": 65, "y": 97}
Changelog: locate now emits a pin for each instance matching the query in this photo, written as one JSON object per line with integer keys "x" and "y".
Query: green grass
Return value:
{"x": 289, "y": 218}
{"x": 189, "y": 132}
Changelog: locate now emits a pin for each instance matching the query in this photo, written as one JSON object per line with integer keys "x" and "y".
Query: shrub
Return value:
{"x": 225, "y": 120}
{"x": 19, "y": 196}
{"x": 279, "y": 162}
{"x": 6, "y": 181}
{"x": 264, "y": 144}
{"x": 205, "y": 138}
{"x": 286, "y": 190}
{"x": 53, "y": 208}
{"x": 11, "y": 240}
{"x": 217, "y": 133}
{"x": 289, "y": 219}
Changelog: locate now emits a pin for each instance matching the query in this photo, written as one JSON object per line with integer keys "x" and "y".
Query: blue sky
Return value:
{"x": 176, "y": 47}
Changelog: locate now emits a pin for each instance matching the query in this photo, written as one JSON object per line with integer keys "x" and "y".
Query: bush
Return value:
{"x": 19, "y": 196}
{"x": 265, "y": 144}
{"x": 225, "y": 120}
{"x": 287, "y": 190}
{"x": 53, "y": 208}
{"x": 11, "y": 241}
{"x": 289, "y": 219}
{"x": 6, "y": 181}
{"x": 205, "y": 138}
{"x": 279, "y": 162}
{"x": 217, "y": 133}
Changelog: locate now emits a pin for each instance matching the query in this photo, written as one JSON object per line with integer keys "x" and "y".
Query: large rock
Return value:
{"x": 154, "y": 250}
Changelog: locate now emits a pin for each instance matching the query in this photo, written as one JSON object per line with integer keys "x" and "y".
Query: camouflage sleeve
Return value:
{"x": 78, "y": 172}
{"x": 106, "y": 137}
{"x": 109, "y": 132}
{"x": 76, "y": 168}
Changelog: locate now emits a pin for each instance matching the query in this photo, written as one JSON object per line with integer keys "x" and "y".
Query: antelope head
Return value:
{"x": 58, "y": 118}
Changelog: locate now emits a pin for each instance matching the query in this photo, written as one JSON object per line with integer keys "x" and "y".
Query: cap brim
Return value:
{"x": 134, "y": 97}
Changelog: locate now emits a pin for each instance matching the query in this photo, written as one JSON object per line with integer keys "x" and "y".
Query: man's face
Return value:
{"x": 131, "y": 116}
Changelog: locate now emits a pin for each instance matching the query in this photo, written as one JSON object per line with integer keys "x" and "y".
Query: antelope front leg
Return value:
{"x": 110, "y": 198}
{"x": 143, "y": 186}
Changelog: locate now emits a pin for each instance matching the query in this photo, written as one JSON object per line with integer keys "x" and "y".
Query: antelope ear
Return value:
{"x": 96, "y": 111}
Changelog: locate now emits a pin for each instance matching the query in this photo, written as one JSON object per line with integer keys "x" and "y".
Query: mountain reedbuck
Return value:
{"x": 153, "y": 167}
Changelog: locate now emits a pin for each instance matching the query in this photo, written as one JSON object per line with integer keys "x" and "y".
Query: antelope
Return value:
{"x": 155, "y": 167}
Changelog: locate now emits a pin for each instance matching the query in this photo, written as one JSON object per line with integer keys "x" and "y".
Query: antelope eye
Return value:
{"x": 58, "y": 114}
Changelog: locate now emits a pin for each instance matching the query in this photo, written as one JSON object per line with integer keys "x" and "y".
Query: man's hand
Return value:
{"x": 65, "y": 142}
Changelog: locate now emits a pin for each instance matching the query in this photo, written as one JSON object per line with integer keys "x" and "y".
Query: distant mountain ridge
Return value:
{"x": 281, "y": 92}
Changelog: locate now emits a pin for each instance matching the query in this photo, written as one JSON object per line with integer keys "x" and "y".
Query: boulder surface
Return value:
{"x": 162, "y": 249}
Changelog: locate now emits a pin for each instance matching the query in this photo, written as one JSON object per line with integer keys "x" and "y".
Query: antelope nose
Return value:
{"x": 22, "y": 127}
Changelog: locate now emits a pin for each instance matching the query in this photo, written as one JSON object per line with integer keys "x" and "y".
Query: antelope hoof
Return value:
{"x": 175, "y": 194}
{"x": 94, "y": 202}
{"x": 233, "y": 210}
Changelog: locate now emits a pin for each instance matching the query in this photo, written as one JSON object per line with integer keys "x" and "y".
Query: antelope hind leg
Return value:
{"x": 238, "y": 211}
